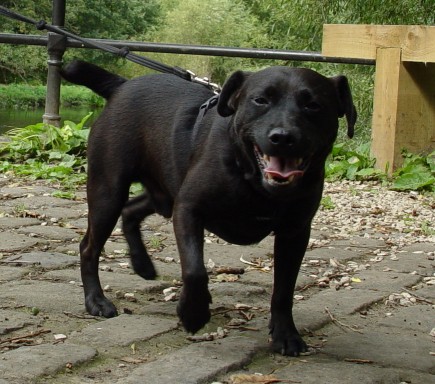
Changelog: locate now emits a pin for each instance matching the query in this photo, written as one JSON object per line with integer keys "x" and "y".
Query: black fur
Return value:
{"x": 254, "y": 166}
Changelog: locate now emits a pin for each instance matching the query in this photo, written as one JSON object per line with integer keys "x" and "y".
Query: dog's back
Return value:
{"x": 145, "y": 118}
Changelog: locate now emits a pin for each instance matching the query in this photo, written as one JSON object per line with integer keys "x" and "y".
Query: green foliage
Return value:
{"x": 43, "y": 151}
{"x": 351, "y": 164}
{"x": 121, "y": 19}
{"x": 417, "y": 173}
{"x": 24, "y": 96}
{"x": 297, "y": 24}
{"x": 207, "y": 22}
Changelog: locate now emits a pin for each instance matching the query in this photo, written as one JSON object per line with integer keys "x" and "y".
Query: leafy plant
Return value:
{"x": 417, "y": 173}
{"x": 327, "y": 202}
{"x": 43, "y": 151}
{"x": 351, "y": 164}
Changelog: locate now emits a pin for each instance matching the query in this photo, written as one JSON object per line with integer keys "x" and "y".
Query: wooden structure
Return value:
{"x": 404, "y": 94}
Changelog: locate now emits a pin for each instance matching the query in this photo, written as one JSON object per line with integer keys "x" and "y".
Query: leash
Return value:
{"x": 123, "y": 52}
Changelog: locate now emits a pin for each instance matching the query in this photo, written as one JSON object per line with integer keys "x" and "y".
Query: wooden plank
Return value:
{"x": 403, "y": 110}
{"x": 388, "y": 65}
{"x": 415, "y": 129}
{"x": 361, "y": 41}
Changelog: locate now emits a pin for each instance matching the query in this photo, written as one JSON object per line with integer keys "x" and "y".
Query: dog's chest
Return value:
{"x": 247, "y": 226}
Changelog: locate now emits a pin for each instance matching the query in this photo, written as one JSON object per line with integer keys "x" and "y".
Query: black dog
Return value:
{"x": 254, "y": 164}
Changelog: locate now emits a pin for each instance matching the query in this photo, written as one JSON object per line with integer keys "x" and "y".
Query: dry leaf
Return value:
{"x": 226, "y": 278}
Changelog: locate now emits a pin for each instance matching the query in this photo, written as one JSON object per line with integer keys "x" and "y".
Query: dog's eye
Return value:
{"x": 261, "y": 101}
{"x": 312, "y": 106}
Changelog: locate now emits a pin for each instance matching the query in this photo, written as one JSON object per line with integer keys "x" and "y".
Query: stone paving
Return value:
{"x": 367, "y": 318}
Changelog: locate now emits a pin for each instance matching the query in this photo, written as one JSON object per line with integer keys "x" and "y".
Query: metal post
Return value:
{"x": 56, "y": 48}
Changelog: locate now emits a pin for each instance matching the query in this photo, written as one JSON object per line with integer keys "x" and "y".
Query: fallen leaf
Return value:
{"x": 225, "y": 277}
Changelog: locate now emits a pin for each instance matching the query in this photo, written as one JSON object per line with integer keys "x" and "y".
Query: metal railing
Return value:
{"x": 57, "y": 44}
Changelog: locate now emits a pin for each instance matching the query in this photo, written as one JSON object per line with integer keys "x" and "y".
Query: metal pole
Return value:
{"x": 255, "y": 53}
{"x": 56, "y": 48}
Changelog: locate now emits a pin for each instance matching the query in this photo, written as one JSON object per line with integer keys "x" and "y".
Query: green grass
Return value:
{"x": 24, "y": 96}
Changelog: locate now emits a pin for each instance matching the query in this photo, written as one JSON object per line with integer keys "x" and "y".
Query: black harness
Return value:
{"x": 203, "y": 109}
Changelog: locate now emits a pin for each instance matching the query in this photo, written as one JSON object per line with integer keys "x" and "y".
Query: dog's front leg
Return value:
{"x": 288, "y": 254}
{"x": 193, "y": 306}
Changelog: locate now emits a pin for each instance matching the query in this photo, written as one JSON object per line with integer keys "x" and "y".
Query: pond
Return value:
{"x": 18, "y": 118}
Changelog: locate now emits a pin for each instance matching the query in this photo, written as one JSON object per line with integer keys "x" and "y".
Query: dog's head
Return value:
{"x": 285, "y": 121}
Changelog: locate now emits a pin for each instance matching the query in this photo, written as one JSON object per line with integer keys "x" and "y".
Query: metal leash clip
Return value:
{"x": 204, "y": 81}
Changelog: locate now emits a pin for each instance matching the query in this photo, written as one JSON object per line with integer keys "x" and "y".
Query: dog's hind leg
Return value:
{"x": 133, "y": 214}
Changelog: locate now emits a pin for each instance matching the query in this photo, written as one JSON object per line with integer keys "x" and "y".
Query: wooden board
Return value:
{"x": 361, "y": 41}
{"x": 403, "y": 110}
{"x": 384, "y": 120}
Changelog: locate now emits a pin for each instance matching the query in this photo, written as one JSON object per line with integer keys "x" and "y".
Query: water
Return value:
{"x": 18, "y": 118}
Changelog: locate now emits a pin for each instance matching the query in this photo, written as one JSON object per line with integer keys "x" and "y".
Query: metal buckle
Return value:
{"x": 204, "y": 81}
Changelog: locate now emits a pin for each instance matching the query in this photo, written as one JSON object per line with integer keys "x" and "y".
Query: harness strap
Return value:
{"x": 203, "y": 109}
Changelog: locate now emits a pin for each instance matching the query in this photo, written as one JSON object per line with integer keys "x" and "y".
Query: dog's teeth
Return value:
{"x": 266, "y": 158}
{"x": 290, "y": 178}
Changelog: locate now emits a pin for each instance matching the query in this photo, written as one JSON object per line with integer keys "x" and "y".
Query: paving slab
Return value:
{"x": 45, "y": 259}
{"x": 12, "y": 191}
{"x": 12, "y": 242}
{"x": 196, "y": 363}
{"x": 23, "y": 365}
{"x": 50, "y": 232}
{"x": 13, "y": 320}
{"x": 63, "y": 213}
{"x": 45, "y": 295}
{"x": 9, "y": 273}
{"x": 123, "y": 330}
{"x": 17, "y": 222}
{"x": 385, "y": 346}
{"x": 361, "y": 337}
{"x": 34, "y": 201}
{"x": 323, "y": 370}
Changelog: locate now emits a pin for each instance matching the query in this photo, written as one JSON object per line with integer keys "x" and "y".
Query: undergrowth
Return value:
{"x": 24, "y": 96}
{"x": 43, "y": 151}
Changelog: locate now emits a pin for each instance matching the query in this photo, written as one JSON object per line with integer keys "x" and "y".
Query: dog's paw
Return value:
{"x": 100, "y": 306}
{"x": 144, "y": 267}
{"x": 288, "y": 343}
{"x": 193, "y": 310}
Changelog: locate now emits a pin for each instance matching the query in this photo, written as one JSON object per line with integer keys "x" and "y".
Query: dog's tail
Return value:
{"x": 97, "y": 79}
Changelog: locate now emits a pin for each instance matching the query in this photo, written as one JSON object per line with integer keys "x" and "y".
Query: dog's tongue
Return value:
{"x": 282, "y": 168}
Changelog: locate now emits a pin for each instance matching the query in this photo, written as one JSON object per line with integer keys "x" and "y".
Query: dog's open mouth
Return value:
{"x": 279, "y": 170}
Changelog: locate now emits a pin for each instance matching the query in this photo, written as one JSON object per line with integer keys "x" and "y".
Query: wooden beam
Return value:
{"x": 404, "y": 95}
{"x": 403, "y": 110}
{"x": 385, "y": 107}
{"x": 361, "y": 41}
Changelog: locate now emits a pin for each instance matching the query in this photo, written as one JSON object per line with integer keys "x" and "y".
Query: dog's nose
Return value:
{"x": 281, "y": 137}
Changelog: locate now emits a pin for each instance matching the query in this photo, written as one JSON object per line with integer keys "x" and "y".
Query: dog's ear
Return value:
{"x": 230, "y": 93}
{"x": 345, "y": 102}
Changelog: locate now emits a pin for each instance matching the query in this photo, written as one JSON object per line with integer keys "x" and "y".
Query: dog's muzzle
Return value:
{"x": 278, "y": 170}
